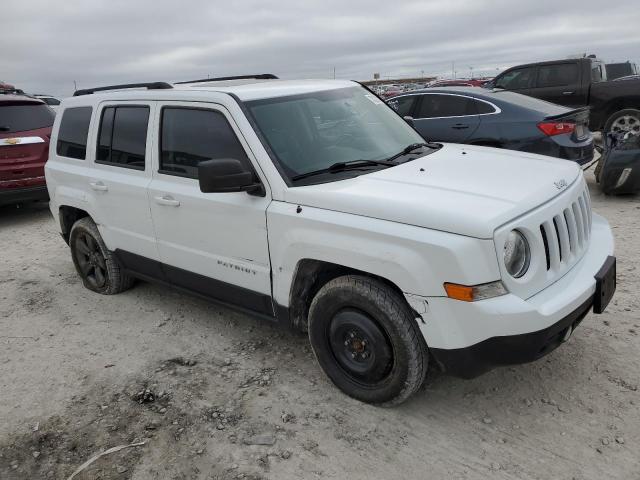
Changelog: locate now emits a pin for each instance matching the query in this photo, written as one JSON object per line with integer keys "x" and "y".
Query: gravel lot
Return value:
{"x": 220, "y": 395}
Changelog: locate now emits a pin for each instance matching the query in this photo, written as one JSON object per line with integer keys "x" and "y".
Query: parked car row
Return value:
{"x": 614, "y": 105}
{"x": 498, "y": 118}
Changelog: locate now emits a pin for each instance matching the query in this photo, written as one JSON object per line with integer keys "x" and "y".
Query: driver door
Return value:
{"x": 211, "y": 243}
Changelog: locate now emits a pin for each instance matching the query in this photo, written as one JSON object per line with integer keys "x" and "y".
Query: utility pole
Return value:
{"x": 75, "y": 86}
{"x": 453, "y": 70}
{"x": 334, "y": 73}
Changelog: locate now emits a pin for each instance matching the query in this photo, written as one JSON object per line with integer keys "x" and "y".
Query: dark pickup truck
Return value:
{"x": 579, "y": 82}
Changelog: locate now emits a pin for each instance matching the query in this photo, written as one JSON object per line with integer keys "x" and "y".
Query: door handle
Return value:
{"x": 98, "y": 186}
{"x": 167, "y": 200}
{"x": 568, "y": 93}
{"x": 460, "y": 126}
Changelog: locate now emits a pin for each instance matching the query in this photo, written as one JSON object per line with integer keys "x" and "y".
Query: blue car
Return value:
{"x": 498, "y": 118}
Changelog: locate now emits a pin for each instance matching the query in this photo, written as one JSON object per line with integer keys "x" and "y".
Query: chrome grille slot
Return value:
{"x": 554, "y": 245}
{"x": 563, "y": 234}
{"x": 555, "y": 225}
{"x": 578, "y": 218}
{"x": 573, "y": 230}
{"x": 545, "y": 241}
{"x": 587, "y": 198}
{"x": 585, "y": 217}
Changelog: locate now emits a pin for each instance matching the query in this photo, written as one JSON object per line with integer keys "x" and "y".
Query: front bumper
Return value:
{"x": 469, "y": 338}
{"x": 477, "y": 359}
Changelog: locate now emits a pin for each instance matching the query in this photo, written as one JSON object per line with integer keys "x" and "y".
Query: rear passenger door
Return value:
{"x": 119, "y": 180}
{"x": 212, "y": 243}
{"x": 559, "y": 83}
{"x": 445, "y": 117}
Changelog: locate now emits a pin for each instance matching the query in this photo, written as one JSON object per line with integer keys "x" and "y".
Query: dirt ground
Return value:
{"x": 220, "y": 395}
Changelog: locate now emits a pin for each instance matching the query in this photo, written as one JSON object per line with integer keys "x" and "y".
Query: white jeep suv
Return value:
{"x": 312, "y": 203}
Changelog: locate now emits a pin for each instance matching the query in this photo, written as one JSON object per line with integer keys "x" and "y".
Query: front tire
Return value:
{"x": 366, "y": 339}
{"x": 96, "y": 265}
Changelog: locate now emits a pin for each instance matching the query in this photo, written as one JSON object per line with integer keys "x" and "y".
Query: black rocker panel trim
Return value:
{"x": 200, "y": 285}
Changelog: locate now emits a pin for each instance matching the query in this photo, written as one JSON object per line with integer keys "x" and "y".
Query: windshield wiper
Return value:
{"x": 4, "y": 128}
{"x": 342, "y": 167}
{"x": 410, "y": 148}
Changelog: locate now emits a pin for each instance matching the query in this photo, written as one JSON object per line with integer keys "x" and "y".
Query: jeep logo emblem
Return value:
{"x": 560, "y": 184}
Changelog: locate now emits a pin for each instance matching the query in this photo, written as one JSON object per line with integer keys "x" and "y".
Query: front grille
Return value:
{"x": 565, "y": 236}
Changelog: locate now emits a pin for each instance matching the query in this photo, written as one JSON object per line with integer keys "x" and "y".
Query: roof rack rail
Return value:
{"x": 260, "y": 76}
{"x": 148, "y": 85}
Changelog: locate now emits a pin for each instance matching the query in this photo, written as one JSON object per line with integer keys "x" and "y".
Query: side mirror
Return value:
{"x": 409, "y": 120}
{"x": 227, "y": 175}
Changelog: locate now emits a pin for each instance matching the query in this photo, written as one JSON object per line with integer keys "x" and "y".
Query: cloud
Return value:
{"x": 47, "y": 45}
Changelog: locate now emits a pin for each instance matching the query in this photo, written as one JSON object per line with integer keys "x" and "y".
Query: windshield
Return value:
{"x": 313, "y": 131}
{"x": 26, "y": 116}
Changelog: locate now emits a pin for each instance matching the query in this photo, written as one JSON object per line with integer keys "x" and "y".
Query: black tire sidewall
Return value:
{"x": 334, "y": 297}
{"x": 88, "y": 227}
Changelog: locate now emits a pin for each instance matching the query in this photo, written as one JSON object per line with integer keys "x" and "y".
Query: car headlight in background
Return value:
{"x": 517, "y": 254}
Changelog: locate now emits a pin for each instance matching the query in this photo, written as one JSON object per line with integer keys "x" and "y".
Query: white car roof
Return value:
{"x": 244, "y": 89}
{"x": 259, "y": 89}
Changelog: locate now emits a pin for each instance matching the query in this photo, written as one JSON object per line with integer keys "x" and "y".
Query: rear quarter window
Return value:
{"x": 483, "y": 108}
{"x": 23, "y": 117}
{"x": 72, "y": 135}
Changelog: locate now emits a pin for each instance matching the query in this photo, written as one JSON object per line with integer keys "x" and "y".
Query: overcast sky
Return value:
{"x": 46, "y": 45}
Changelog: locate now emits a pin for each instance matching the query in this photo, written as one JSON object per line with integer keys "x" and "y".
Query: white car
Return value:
{"x": 314, "y": 204}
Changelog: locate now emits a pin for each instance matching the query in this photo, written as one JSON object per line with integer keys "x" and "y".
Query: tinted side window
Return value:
{"x": 557, "y": 75}
{"x": 72, "y": 136}
{"x": 190, "y": 136}
{"x": 403, "y": 105}
{"x": 516, "y": 79}
{"x": 122, "y": 138}
{"x": 483, "y": 107}
{"x": 444, "y": 106}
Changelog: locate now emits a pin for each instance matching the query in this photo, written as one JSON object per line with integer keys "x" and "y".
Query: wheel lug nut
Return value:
{"x": 353, "y": 354}
{"x": 346, "y": 343}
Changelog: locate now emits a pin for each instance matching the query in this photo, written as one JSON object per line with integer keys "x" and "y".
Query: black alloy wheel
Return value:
{"x": 91, "y": 261}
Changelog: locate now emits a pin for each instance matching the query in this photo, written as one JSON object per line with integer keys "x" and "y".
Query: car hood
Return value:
{"x": 460, "y": 189}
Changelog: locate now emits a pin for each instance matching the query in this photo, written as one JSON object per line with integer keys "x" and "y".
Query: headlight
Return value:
{"x": 516, "y": 254}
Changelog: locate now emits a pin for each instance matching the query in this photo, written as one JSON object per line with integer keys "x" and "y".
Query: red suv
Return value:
{"x": 25, "y": 130}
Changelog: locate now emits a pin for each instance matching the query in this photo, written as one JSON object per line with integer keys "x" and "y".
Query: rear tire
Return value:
{"x": 624, "y": 121}
{"x": 96, "y": 265}
{"x": 366, "y": 339}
